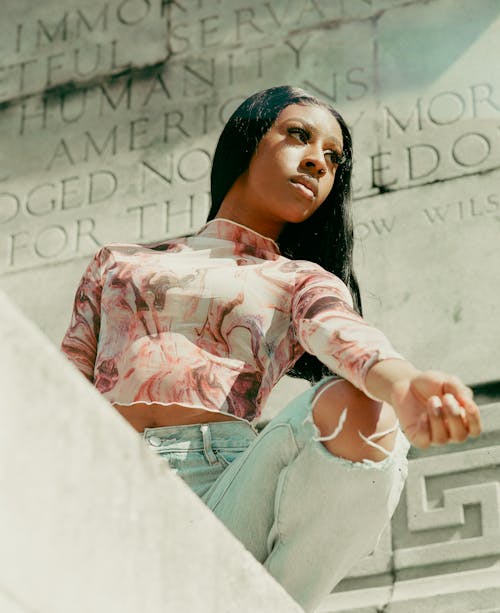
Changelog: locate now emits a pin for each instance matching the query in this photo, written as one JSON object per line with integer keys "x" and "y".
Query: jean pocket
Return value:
{"x": 184, "y": 461}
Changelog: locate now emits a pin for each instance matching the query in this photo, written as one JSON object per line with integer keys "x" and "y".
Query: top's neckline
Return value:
{"x": 227, "y": 229}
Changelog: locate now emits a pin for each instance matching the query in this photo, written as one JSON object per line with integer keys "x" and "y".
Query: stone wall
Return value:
{"x": 109, "y": 114}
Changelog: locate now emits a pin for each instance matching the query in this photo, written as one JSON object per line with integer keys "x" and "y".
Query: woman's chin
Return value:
{"x": 300, "y": 214}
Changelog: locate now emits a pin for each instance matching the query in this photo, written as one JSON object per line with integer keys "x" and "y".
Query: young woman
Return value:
{"x": 187, "y": 338}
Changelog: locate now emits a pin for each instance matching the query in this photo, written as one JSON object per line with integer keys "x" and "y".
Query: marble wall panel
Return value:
{"x": 45, "y": 45}
{"x": 426, "y": 258}
{"x": 426, "y": 185}
{"x": 128, "y": 159}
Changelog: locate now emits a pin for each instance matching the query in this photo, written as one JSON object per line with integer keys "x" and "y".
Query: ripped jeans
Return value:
{"x": 305, "y": 514}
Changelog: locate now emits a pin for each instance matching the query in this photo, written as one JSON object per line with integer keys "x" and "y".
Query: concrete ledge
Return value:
{"x": 90, "y": 519}
{"x": 473, "y": 591}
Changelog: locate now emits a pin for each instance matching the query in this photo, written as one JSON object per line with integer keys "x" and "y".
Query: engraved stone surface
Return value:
{"x": 423, "y": 516}
{"x": 44, "y": 45}
{"x": 425, "y": 258}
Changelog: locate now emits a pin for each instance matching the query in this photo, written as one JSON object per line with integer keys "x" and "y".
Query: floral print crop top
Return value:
{"x": 212, "y": 321}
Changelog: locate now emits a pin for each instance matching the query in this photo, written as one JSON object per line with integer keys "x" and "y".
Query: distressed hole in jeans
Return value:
{"x": 368, "y": 427}
{"x": 343, "y": 416}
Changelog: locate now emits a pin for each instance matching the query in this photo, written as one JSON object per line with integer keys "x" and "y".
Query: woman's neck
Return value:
{"x": 233, "y": 208}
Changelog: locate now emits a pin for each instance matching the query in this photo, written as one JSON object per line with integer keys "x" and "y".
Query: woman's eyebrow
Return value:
{"x": 311, "y": 128}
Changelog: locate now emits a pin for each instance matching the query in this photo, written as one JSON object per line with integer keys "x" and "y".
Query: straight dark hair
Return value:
{"x": 326, "y": 238}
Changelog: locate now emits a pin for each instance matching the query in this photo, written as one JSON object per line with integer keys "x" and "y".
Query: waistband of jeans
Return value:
{"x": 222, "y": 430}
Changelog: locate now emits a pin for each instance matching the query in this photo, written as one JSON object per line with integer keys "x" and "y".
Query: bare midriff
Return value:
{"x": 142, "y": 415}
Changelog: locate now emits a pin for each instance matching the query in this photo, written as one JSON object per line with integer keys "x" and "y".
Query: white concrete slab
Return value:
{"x": 460, "y": 592}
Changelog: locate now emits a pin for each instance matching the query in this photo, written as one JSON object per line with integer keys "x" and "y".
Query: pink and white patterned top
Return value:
{"x": 212, "y": 321}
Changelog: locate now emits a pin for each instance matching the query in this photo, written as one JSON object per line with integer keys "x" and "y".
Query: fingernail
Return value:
{"x": 452, "y": 404}
{"x": 436, "y": 404}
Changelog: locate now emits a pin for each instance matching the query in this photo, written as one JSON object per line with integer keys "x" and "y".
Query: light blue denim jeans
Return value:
{"x": 305, "y": 514}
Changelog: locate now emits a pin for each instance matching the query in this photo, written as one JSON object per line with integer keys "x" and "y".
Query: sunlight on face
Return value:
{"x": 292, "y": 171}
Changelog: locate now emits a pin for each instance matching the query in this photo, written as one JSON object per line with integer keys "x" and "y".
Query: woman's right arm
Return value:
{"x": 80, "y": 341}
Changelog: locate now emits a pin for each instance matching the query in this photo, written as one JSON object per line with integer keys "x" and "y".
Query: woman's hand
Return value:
{"x": 433, "y": 408}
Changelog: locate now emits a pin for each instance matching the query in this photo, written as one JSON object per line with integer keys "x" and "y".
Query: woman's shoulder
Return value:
{"x": 140, "y": 249}
{"x": 171, "y": 244}
{"x": 312, "y": 276}
{"x": 304, "y": 268}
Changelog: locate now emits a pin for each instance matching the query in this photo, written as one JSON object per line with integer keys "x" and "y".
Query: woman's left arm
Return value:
{"x": 433, "y": 408}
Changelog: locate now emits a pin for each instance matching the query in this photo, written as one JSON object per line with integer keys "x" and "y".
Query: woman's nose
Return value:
{"x": 314, "y": 163}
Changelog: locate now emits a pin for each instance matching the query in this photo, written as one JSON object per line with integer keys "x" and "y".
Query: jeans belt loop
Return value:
{"x": 207, "y": 444}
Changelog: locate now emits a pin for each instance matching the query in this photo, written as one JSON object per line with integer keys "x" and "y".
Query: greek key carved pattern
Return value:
{"x": 421, "y": 517}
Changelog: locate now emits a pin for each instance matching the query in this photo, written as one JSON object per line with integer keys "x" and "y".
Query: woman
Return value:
{"x": 187, "y": 337}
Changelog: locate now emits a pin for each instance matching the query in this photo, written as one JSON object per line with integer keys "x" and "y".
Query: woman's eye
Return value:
{"x": 336, "y": 158}
{"x": 300, "y": 133}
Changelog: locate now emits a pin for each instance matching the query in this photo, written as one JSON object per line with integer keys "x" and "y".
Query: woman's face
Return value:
{"x": 291, "y": 172}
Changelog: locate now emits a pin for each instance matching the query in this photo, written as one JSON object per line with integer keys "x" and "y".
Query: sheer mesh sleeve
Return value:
{"x": 327, "y": 326}
{"x": 80, "y": 341}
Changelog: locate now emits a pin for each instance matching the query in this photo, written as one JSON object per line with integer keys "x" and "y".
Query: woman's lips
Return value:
{"x": 304, "y": 190}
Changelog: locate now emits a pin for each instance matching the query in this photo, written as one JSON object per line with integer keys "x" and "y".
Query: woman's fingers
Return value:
{"x": 451, "y": 421}
{"x": 419, "y": 433}
{"x": 438, "y": 409}
{"x": 454, "y": 414}
{"x": 465, "y": 397}
{"x": 439, "y": 434}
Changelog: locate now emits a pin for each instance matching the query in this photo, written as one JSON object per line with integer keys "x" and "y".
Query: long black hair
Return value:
{"x": 326, "y": 238}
